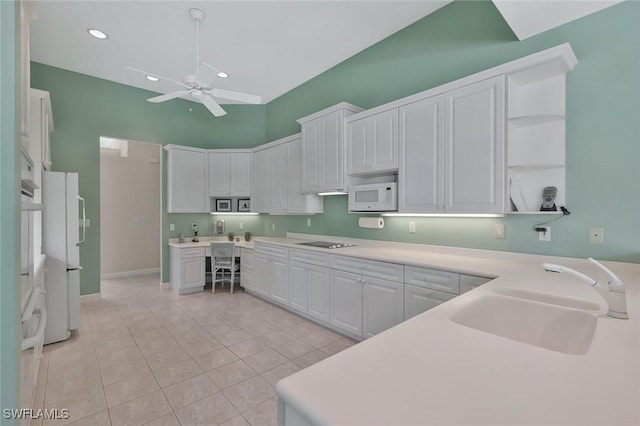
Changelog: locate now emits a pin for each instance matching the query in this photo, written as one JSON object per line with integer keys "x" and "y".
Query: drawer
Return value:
{"x": 370, "y": 268}
{"x": 247, "y": 258}
{"x": 309, "y": 256}
{"x": 431, "y": 278}
{"x": 192, "y": 252}
{"x": 236, "y": 251}
{"x": 469, "y": 282}
{"x": 270, "y": 249}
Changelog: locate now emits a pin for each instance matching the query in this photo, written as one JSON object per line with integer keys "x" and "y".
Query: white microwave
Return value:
{"x": 376, "y": 197}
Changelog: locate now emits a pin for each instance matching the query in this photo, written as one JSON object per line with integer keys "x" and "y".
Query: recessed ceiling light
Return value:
{"x": 223, "y": 74}
{"x": 152, "y": 78}
{"x": 97, "y": 33}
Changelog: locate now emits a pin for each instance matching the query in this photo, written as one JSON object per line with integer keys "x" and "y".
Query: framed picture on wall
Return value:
{"x": 223, "y": 205}
{"x": 244, "y": 205}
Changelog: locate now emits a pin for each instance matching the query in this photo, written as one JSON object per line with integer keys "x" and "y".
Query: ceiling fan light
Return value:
{"x": 152, "y": 78}
{"x": 97, "y": 33}
{"x": 223, "y": 74}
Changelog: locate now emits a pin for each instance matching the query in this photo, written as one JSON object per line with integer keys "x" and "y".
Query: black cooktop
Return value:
{"x": 326, "y": 244}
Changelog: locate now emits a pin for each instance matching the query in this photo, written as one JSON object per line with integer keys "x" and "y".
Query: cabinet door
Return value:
{"x": 346, "y": 301}
{"x": 240, "y": 174}
{"x": 383, "y": 305}
{"x": 295, "y": 199}
{"x": 357, "y": 147}
{"x": 421, "y": 151}
{"x": 319, "y": 293}
{"x": 280, "y": 279}
{"x": 187, "y": 181}
{"x": 261, "y": 181}
{"x": 193, "y": 272}
{"x": 474, "y": 148}
{"x": 278, "y": 170}
{"x": 299, "y": 286}
{"x": 418, "y": 300}
{"x": 218, "y": 174}
{"x": 262, "y": 274}
{"x": 383, "y": 141}
{"x": 332, "y": 151}
{"x": 311, "y": 156}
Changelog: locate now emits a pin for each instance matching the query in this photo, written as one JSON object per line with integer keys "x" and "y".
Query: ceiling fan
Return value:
{"x": 198, "y": 89}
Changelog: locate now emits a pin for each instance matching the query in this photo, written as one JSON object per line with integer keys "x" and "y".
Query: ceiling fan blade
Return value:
{"x": 235, "y": 96}
{"x": 212, "y": 106}
{"x": 168, "y": 96}
{"x": 179, "y": 83}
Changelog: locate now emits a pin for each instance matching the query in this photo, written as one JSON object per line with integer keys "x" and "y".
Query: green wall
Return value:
{"x": 85, "y": 108}
{"x": 10, "y": 331}
{"x": 602, "y": 151}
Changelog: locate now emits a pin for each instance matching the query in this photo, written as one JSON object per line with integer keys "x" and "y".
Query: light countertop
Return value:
{"x": 430, "y": 370}
{"x": 206, "y": 241}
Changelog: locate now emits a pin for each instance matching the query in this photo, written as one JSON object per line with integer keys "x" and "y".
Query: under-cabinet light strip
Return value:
{"x": 236, "y": 213}
{"x": 441, "y": 215}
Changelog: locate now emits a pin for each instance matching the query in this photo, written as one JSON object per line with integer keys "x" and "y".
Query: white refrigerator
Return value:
{"x": 62, "y": 234}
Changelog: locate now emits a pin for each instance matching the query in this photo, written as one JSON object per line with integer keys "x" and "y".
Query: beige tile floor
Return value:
{"x": 148, "y": 356}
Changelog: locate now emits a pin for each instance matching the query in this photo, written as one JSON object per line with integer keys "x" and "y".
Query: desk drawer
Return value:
{"x": 431, "y": 278}
{"x": 192, "y": 252}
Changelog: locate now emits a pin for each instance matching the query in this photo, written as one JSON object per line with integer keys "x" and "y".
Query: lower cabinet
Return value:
{"x": 187, "y": 269}
{"x": 346, "y": 302}
{"x": 271, "y": 278}
{"x": 383, "y": 305}
{"x": 309, "y": 290}
{"x": 246, "y": 267}
{"x": 419, "y": 299}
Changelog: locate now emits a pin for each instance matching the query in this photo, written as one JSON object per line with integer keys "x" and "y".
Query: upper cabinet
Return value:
{"x": 40, "y": 127}
{"x": 186, "y": 180}
{"x": 372, "y": 143}
{"x": 452, "y": 151}
{"x": 277, "y": 181}
{"x": 229, "y": 173}
{"x": 323, "y": 149}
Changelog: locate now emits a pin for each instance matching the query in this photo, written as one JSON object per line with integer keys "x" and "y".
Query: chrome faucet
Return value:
{"x": 613, "y": 293}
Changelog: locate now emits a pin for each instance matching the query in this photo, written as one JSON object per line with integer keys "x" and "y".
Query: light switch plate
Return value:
{"x": 412, "y": 227}
{"x": 241, "y": 225}
{"x": 308, "y": 222}
{"x": 86, "y": 223}
{"x": 172, "y": 227}
{"x": 498, "y": 230}
{"x": 273, "y": 226}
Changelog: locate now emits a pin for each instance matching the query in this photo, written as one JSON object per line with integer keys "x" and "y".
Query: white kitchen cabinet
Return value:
{"x": 323, "y": 148}
{"x": 271, "y": 266}
{"x": 299, "y": 287}
{"x": 309, "y": 290}
{"x": 421, "y": 164}
{"x": 277, "y": 179}
{"x": 383, "y": 305}
{"x": 372, "y": 143}
{"x": 186, "y": 180}
{"x": 346, "y": 302}
{"x": 247, "y": 263}
{"x": 452, "y": 151}
{"x": 474, "y": 148}
{"x": 187, "y": 269}
{"x": 419, "y": 299}
{"x": 40, "y": 127}
{"x": 229, "y": 173}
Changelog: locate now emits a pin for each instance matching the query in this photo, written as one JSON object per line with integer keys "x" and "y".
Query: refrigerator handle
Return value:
{"x": 84, "y": 221}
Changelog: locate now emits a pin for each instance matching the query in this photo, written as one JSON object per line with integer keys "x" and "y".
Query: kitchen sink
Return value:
{"x": 553, "y": 299}
{"x": 545, "y": 325}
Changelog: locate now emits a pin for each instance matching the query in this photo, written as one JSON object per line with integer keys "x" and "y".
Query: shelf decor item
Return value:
{"x": 223, "y": 205}
{"x": 247, "y": 236}
{"x": 244, "y": 205}
{"x": 230, "y": 236}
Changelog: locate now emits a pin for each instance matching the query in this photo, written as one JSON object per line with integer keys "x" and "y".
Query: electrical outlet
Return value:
{"x": 172, "y": 227}
{"x": 596, "y": 235}
{"x": 241, "y": 225}
{"x": 308, "y": 222}
{"x": 544, "y": 235}
{"x": 273, "y": 226}
{"x": 498, "y": 231}
{"x": 86, "y": 223}
{"x": 412, "y": 227}
{"x": 194, "y": 227}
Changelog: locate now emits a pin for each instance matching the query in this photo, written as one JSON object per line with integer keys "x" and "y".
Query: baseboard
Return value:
{"x": 94, "y": 297}
{"x": 165, "y": 286}
{"x": 129, "y": 273}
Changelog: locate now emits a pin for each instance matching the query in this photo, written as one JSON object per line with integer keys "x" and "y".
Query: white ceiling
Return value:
{"x": 267, "y": 47}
